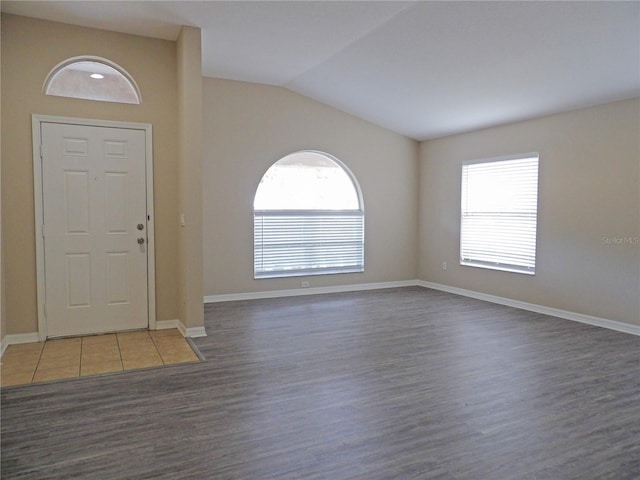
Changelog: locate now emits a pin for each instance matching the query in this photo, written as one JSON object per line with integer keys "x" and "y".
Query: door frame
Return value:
{"x": 36, "y": 123}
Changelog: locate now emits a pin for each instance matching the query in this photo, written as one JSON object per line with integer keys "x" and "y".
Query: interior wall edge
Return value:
{"x": 232, "y": 297}
{"x": 17, "y": 338}
{"x": 532, "y": 307}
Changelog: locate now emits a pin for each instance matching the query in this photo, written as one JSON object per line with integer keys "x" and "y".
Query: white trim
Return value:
{"x": 195, "y": 332}
{"x": 166, "y": 324}
{"x": 334, "y": 159}
{"x": 555, "y": 312}
{"x": 191, "y": 332}
{"x": 502, "y": 158}
{"x": 532, "y": 307}
{"x": 3, "y": 345}
{"x": 36, "y": 137}
{"x": 181, "y": 328}
{"x": 36, "y": 122}
{"x": 91, "y": 58}
{"x": 151, "y": 229}
{"x": 307, "y": 291}
{"x": 18, "y": 338}
{"x": 301, "y": 265}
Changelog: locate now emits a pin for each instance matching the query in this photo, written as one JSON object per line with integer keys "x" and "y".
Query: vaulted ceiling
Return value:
{"x": 423, "y": 69}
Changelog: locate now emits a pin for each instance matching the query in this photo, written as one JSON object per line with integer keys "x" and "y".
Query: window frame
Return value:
{"x": 473, "y": 260}
{"x": 312, "y": 215}
{"x": 51, "y": 76}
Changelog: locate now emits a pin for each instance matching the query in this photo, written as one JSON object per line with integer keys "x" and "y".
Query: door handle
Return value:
{"x": 140, "y": 240}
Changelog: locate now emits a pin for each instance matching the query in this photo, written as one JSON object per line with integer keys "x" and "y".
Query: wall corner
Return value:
{"x": 190, "y": 123}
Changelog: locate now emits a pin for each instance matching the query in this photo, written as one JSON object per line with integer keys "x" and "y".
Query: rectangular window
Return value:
{"x": 290, "y": 243}
{"x": 499, "y": 213}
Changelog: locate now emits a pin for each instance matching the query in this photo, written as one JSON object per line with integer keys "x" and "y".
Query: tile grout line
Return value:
{"x": 41, "y": 362}
{"x": 153, "y": 340}
{"x": 119, "y": 352}
{"x": 80, "y": 360}
{"x": 33, "y": 374}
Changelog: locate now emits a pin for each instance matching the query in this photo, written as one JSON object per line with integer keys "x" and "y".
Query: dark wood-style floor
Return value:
{"x": 392, "y": 384}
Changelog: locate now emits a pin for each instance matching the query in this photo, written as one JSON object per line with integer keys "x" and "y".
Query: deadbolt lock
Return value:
{"x": 140, "y": 226}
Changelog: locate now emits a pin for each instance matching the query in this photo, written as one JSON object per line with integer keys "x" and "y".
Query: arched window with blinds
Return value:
{"x": 308, "y": 218}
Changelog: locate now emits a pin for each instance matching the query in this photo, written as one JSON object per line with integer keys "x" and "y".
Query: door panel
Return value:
{"x": 94, "y": 197}
{"x": 78, "y": 280}
{"x": 116, "y": 205}
{"x": 118, "y": 288}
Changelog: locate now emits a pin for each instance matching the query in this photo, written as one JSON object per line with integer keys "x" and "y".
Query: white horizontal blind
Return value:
{"x": 499, "y": 214}
{"x": 311, "y": 242}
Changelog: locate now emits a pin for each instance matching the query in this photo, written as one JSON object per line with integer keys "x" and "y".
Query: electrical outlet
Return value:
{"x": 304, "y": 284}
{"x": 444, "y": 265}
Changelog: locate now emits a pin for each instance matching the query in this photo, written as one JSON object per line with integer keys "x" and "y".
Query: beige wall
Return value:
{"x": 589, "y": 182}
{"x": 3, "y": 304}
{"x": 247, "y": 128}
{"x": 190, "y": 176}
{"x": 30, "y": 49}
{"x": 589, "y": 192}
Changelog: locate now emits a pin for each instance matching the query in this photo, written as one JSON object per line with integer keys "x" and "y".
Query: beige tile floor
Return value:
{"x": 92, "y": 355}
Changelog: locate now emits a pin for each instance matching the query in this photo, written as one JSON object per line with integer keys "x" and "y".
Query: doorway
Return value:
{"x": 94, "y": 226}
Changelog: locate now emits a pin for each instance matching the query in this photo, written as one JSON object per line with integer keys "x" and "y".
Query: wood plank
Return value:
{"x": 406, "y": 383}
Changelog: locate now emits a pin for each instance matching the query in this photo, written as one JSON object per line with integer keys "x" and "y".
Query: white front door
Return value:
{"x": 94, "y": 228}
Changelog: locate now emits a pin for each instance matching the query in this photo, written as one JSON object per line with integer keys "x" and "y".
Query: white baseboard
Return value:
{"x": 195, "y": 332}
{"x": 555, "y": 312}
{"x": 532, "y": 307}
{"x": 191, "y": 332}
{"x": 168, "y": 324}
{"x": 232, "y": 297}
{"x": 19, "y": 338}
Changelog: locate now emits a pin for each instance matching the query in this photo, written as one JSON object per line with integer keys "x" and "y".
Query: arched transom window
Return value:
{"x": 92, "y": 78}
{"x": 308, "y": 218}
